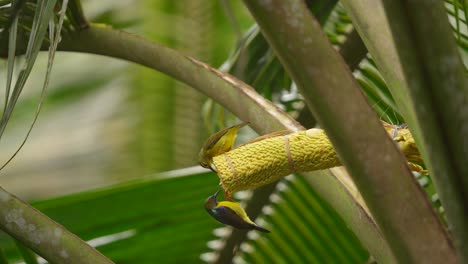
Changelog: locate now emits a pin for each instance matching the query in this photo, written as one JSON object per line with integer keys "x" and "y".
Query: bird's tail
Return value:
{"x": 261, "y": 229}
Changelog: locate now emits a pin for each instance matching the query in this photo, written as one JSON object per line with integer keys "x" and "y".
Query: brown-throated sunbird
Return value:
{"x": 230, "y": 213}
{"x": 217, "y": 144}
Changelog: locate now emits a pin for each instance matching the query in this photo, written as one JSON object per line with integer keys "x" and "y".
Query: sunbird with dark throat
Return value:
{"x": 218, "y": 144}
{"x": 230, "y": 213}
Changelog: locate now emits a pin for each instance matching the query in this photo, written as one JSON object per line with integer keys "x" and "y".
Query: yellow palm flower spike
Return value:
{"x": 264, "y": 161}
{"x": 218, "y": 144}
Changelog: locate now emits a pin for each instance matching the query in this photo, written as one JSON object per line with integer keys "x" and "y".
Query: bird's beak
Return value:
{"x": 211, "y": 201}
{"x": 216, "y": 195}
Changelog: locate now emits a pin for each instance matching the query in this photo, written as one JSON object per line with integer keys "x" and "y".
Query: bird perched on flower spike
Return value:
{"x": 217, "y": 144}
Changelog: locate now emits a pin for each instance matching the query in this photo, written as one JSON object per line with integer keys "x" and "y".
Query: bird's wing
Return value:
{"x": 235, "y": 207}
{"x": 227, "y": 216}
{"x": 212, "y": 140}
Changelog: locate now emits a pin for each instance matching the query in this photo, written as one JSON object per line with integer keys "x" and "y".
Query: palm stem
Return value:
{"x": 377, "y": 167}
{"x": 41, "y": 234}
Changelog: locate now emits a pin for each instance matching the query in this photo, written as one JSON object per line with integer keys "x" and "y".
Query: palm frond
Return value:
{"x": 158, "y": 217}
{"x": 43, "y": 14}
{"x": 11, "y": 55}
{"x": 3, "y": 259}
{"x": 28, "y": 256}
{"x": 457, "y": 12}
{"x": 54, "y": 36}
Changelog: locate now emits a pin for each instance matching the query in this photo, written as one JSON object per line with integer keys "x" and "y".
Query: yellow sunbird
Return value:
{"x": 217, "y": 144}
{"x": 230, "y": 213}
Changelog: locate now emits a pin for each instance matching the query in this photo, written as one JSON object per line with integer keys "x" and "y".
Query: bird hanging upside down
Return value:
{"x": 230, "y": 213}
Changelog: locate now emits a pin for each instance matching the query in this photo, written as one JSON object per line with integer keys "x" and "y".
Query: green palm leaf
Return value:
{"x": 157, "y": 218}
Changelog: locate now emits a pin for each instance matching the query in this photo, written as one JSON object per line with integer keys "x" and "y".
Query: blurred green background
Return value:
{"x": 113, "y": 156}
{"x": 106, "y": 120}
